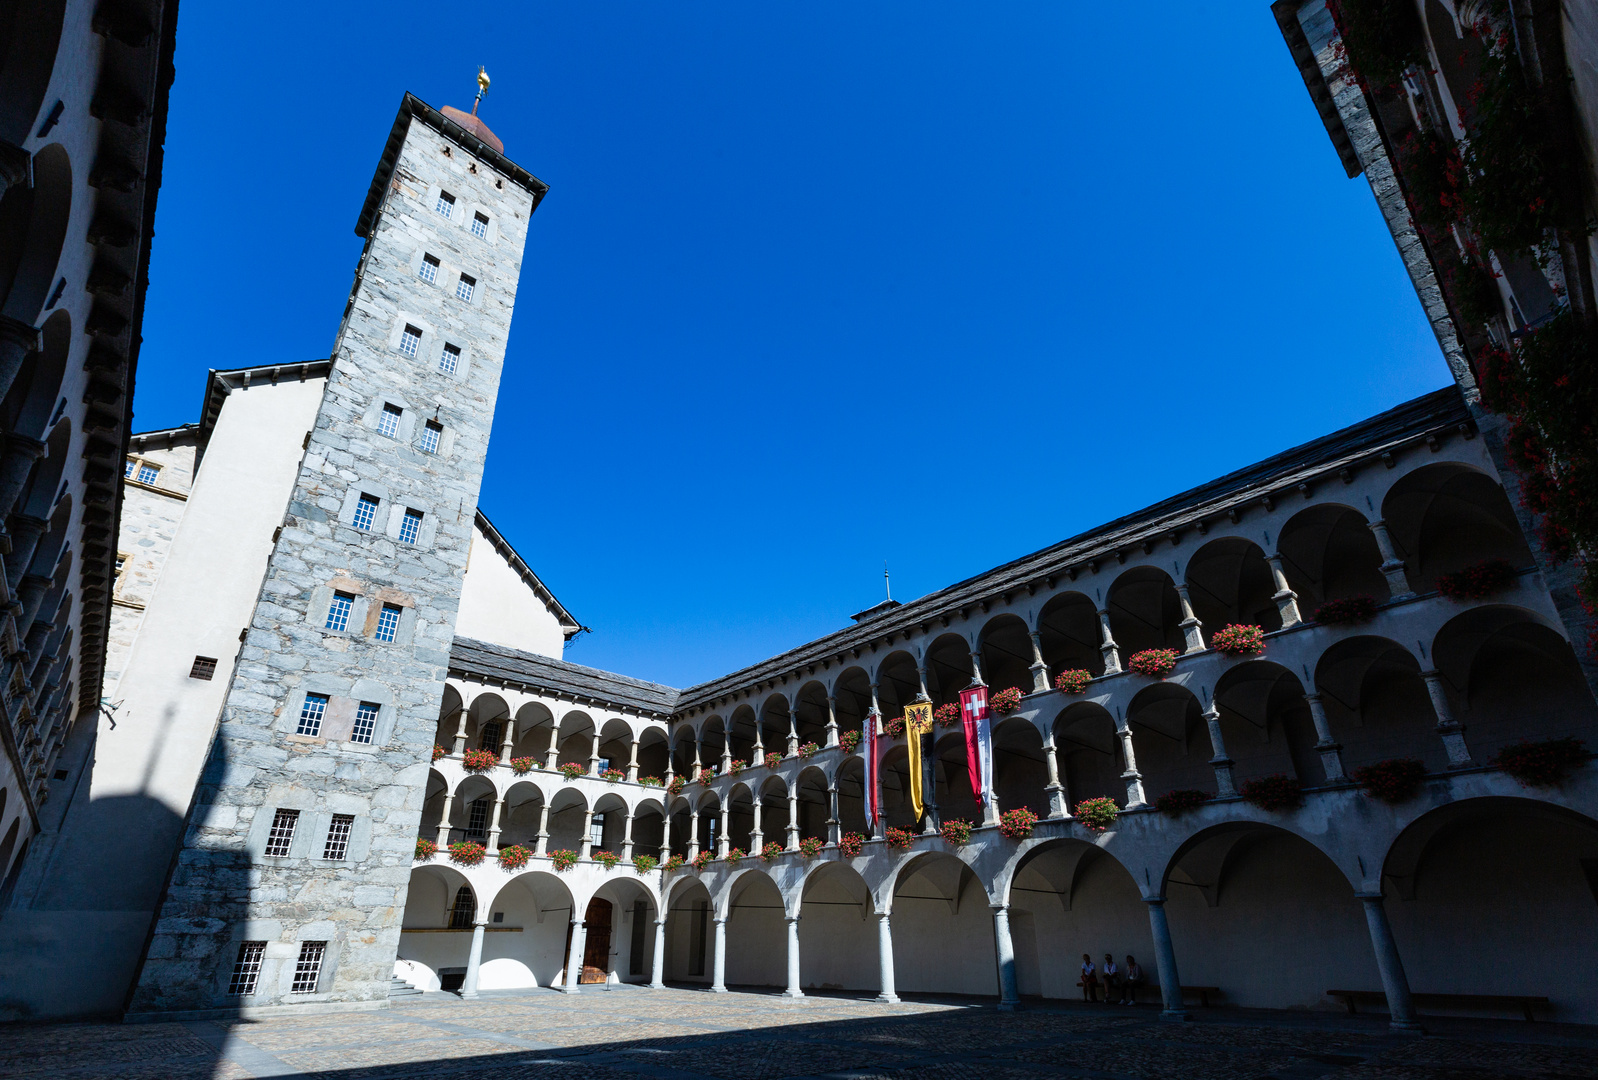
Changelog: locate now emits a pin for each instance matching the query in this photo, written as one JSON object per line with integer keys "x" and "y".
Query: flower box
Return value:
{"x": 645, "y": 863}
{"x": 1181, "y": 801}
{"x": 734, "y": 856}
{"x": 946, "y": 715}
{"x": 514, "y": 857}
{"x": 1274, "y": 793}
{"x": 612, "y": 776}
{"x": 1073, "y": 680}
{"x": 438, "y": 751}
{"x": 607, "y": 859}
{"x": 808, "y": 751}
{"x": 1477, "y": 581}
{"x": 676, "y": 785}
{"x": 1238, "y": 639}
{"x": 573, "y": 769}
{"x": 674, "y": 862}
{"x": 851, "y": 844}
{"x": 1096, "y": 815}
{"x": 811, "y": 846}
{"x": 1394, "y": 781}
{"x": 1005, "y": 702}
{"x": 479, "y": 760}
{"x": 650, "y": 781}
{"x": 564, "y": 859}
{"x": 706, "y": 777}
{"x": 1544, "y": 763}
{"x": 523, "y": 765}
{"x": 467, "y": 852}
{"x": 900, "y": 838}
{"x": 1347, "y": 611}
{"x": 425, "y": 849}
{"x": 772, "y": 760}
{"x": 956, "y": 832}
{"x": 736, "y": 766}
{"x": 1017, "y": 824}
{"x": 1155, "y": 663}
{"x": 894, "y": 727}
{"x": 771, "y": 852}
{"x": 849, "y": 741}
{"x": 702, "y": 860}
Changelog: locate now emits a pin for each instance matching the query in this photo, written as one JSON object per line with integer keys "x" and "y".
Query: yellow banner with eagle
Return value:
{"x": 917, "y": 722}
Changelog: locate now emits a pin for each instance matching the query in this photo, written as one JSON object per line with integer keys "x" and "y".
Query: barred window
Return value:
{"x": 460, "y": 915}
{"x": 365, "y": 512}
{"x": 338, "y": 836}
{"x": 388, "y": 622}
{"x": 430, "y": 435}
{"x": 429, "y": 269}
{"x": 149, "y": 473}
{"x": 410, "y": 341}
{"x": 464, "y": 287}
{"x": 281, "y": 836}
{"x": 411, "y": 527}
{"x": 477, "y": 818}
{"x": 128, "y": 468}
{"x": 388, "y": 420}
{"x": 480, "y": 226}
{"x": 338, "y": 613}
{"x": 311, "y": 714}
{"x": 445, "y": 204}
{"x": 204, "y": 668}
{"x": 490, "y": 739}
{"x": 247, "y": 968}
{"x": 365, "y": 722}
{"x": 451, "y": 359}
{"x": 308, "y": 969}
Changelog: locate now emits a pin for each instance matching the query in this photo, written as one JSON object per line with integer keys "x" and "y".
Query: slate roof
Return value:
{"x": 496, "y": 663}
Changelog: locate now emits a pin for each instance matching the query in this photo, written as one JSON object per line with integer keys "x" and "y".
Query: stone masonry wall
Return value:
{"x": 224, "y": 890}
{"x": 144, "y": 536}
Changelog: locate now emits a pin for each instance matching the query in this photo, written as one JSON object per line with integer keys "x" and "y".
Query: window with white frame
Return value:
{"x": 480, "y": 226}
{"x": 388, "y": 622}
{"x": 596, "y": 831}
{"x": 247, "y": 969}
{"x": 410, "y": 341}
{"x": 308, "y": 969}
{"x": 430, "y": 433}
{"x": 338, "y": 837}
{"x": 450, "y": 360}
{"x": 148, "y": 473}
{"x": 128, "y": 468}
{"x": 365, "y": 722}
{"x": 280, "y": 838}
{"x": 366, "y": 512}
{"x": 411, "y": 526}
{"x": 445, "y": 204}
{"x": 464, "y": 287}
{"x": 477, "y": 818}
{"x": 338, "y": 612}
{"x": 429, "y": 269}
{"x": 388, "y": 420}
{"x": 311, "y": 714}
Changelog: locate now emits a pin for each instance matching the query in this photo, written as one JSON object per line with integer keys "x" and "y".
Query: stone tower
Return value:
{"x": 291, "y": 882}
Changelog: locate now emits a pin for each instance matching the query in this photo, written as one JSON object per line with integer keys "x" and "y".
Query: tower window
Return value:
{"x": 388, "y": 420}
{"x": 338, "y": 613}
{"x": 122, "y": 560}
{"x": 365, "y": 722}
{"x": 311, "y": 714}
{"x": 128, "y": 467}
{"x": 430, "y": 435}
{"x": 450, "y": 360}
{"x": 204, "y": 668}
{"x": 365, "y": 512}
{"x": 410, "y": 341}
{"x": 445, "y": 204}
{"x": 147, "y": 473}
{"x": 429, "y": 269}
{"x": 247, "y": 968}
{"x": 308, "y": 970}
{"x": 387, "y": 623}
{"x": 480, "y": 226}
{"x": 281, "y": 836}
{"x": 461, "y": 912}
{"x": 477, "y": 818}
{"x": 411, "y": 526}
{"x": 464, "y": 287}
{"x": 338, "y": 837}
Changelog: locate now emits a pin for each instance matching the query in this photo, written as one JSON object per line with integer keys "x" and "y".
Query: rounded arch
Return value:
{"x": 486, "y": 718}
{"x": 1376, "y": 702}
{"x": 33, "y": 228}
{"x": 541, "y": 904}
{"x": 608, "y": 827}
{"x": 850, "y": 780}
{"x": 1068, "y": 632}
{"x": 1145, "y": 611}
{"x": 1446, "y": 516}
{"x": 810, "y": 713}
{"x": 948, "y": 668}
{"x": 814, "y": 803}
{"x": 898, "y": 683}
{"x": 34, "y": 34}
{"x": 577, "y": 734}
{"x": 1089, "y": 753}
{"x": 1007, "y": 653}
{"x": 1265, "y": 722}
{"x": 1329, "y": 553}
{"x": 936, "y": 896}
{"x": 851, "y": 694}
{"x": 757, "y": 933}
{"x": 615, "y": 744}
{"x": 39, "y": 496}
{"x": 774, "y": 722}
{"x": 522, "y": 814}
{"x": 741, "y": 817}
{"x": 837, "y": 935}
{"x": 31, "y": 401}
{"x": 568, "y": 819}
{"x": 1170, "y": 739}
{"x": 1020, "y": 769}
{"x": 432, "y": 897}
{"x": 535, "y": 723}
{"x": 1229, "y": 581}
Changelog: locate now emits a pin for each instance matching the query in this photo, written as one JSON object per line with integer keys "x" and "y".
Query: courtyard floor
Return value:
{"x": 677, "y": 1034}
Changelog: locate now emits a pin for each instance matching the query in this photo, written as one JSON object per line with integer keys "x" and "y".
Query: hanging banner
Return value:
{"x": 917, "y": 722}
{"x": 978, "y": 760}
{"x": 868, "y": 738}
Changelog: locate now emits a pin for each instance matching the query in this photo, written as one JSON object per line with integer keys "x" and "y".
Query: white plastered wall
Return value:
{"x": 499, "y": 607}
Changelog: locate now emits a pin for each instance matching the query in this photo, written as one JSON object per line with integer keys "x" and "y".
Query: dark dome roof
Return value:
{"x": 475, "y": 126}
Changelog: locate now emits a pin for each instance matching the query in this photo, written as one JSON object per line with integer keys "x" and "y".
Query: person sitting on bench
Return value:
{"x": 1090, "y": 979}
{"x": 1112, "y": 980}
{"x": 1132, "y": 980}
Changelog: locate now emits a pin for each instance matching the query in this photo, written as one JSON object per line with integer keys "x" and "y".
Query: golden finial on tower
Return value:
{"x": 482, "y": 87}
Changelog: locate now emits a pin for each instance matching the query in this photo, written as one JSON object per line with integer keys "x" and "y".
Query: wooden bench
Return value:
{"x": 1204, "y": 992}
{"x": 1524, "y": 1002}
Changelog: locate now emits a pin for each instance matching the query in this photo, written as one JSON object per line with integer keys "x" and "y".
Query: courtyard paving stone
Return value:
{"x": 678, "y": 1034}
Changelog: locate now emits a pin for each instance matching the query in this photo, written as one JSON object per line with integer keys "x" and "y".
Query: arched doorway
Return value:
{"x": 597, "y": 921}
{"x": 1068, "y": 898}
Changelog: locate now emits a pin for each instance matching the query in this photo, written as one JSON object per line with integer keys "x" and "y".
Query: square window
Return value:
{"x": 281, "y": 836}
{"x": 445, "y": 204}
{"x": 464, "y": 287}
{"x": 148, "y": 473}
{"x": 338, "y": 612}
{"x": 338, "y": 836}
{"x": 411, "y": 527}
{"x": 204, "y": 668}
{"x": 311, "y": 714}
{"x": 127, "y": 469}
{"x": 365, "y": 722}
{"x": 122, "y": 560}
{"x": 308, "y": 970}
{"x": 387, "y": 623}
{"x": 480, "y": 226}
{"x": 450, "y": 360}
{"x": 410, "y": 341}
{"x": 429, "y": 269}
{"x": 247, "y": 968}
{"x": 430, "y": 435}
{"x": 388, "y": 420}
{"x": 365, "y": 512}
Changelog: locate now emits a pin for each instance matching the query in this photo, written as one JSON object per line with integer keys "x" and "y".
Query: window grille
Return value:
{"x": 460, "y": 915}
{"x": 311, "y": 714}
{"x": 430, "y": 435}
{"x": 411, "y": 526}
{"x": 338, "y": 837}
{"x": 429, "y": 269}
{"x": 445, "y": 204}
{"x": 490, "y": 739}
{"x": 308, "y": 969}
{"x": 127, "y": 469}
{"x": 451, "y": 359}
{"x": 388, "y": 420}
{"x": 410, "y": 341}
{"x": 246, "y": 969}
{"x": 365, "y": 513}
{"x": 204, "y": 668}
{"x": 480, "y": 227}
{"x": 596, "y": 831}
{"x": 338, "y": 613}
{"x": 464, "y": 287}
{"x": 365, "y": 722}
{"x": 477, "y": 818}
{"x": 148, "y": 474}
{"x": 388, "y": 622}
{"x": 281, "y": 836}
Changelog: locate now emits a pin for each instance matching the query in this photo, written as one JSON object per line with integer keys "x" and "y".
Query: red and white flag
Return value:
{"x": 869, "y": 738}
{"x": 975, "y": 718}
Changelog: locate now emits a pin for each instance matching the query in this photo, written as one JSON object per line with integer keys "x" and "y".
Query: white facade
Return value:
{"x": 503, "y": 603}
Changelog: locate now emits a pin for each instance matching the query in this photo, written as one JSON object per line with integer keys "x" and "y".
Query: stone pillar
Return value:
{"x": 30, "y": 594}
{"x": 15, "y": 465}
{"x": 793, "y": 734}
{"x": 552, "y": 754}
{"x": 459, "y": 746}
{"x": 593, "y": 754}
{"x": 1286, "y": 599}
{"x": 586, "y": 845}
{"x": 834, "y": 825}
{"x": 25, "y": 532}
{"x": 693, "y": 835}
{"x": 671, "y": 769}
{"x": 719, "y": 968}
{"x": 1009, "y": 996}
{"x": 493, "y": 827}
{"x": 794, "y": 990}
{"x": 627, "y": 838}
{"x": 1451, "y": 730}
{"x": 1392, "y": 565}
{"x": 758, "y": 750}
{"x": 1132, "y": 778}
{"x": 976, "y": 667}
{"x": 726, "y": 744}
{"x": 722, "y": 839}
{"x": 1400, "y": 1006}
{"x": 1192, "y": 631}
{"x": 697, "y": 764}
{"x": 510, "y": 740}
{"x": 1112, "y": 655}
{"x": 876, "y": 708}
{"x": 574, "y": 955}
{"x": 474, "y": 962}
{"x": 657, "y": 969}
{"x": 793, "y": 817}
{"x": 756, "y": 836}
{"x": 632, "y": 763}
{"x": 885, "y": 961}
{"x": 17, "y": 340}
{"x": 1059, "y": 798}
{"x": 1225, "y": 786}
{"x": 542, "y": 847}
{"x": 1331, "y": 752}
{"x": 1040, "y": 670}
{"x": 1165, "y": 961}
{"x": 443, "y": 820}
{"x": 832, "y": 721}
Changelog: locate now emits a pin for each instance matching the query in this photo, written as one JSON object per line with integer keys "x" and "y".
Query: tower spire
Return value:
{"x": 886, "y": 587}
{"x": 482, "y": 87}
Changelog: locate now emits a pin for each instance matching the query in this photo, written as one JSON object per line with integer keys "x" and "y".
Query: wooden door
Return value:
{"x": 596, "y": 953}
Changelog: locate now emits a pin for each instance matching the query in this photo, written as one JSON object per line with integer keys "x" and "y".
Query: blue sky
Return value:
{"x": 815, "y": 286}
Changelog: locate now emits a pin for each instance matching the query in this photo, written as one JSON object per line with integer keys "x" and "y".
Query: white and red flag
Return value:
{"x": 975, "y": 718}
{"x": 869, "y": 738}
